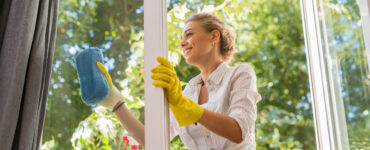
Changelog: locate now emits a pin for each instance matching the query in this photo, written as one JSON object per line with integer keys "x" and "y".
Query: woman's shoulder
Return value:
{"x": 243, "y": 69}
{"x": 243, "y": 77}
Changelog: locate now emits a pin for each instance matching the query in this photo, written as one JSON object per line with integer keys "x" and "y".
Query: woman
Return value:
{"x": 217, "y": 109}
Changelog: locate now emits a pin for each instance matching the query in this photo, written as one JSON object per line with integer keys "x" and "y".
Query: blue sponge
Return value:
{"x": 94, "y": 85}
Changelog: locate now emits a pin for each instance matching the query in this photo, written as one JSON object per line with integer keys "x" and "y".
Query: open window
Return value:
{"x": 336, "y": 41}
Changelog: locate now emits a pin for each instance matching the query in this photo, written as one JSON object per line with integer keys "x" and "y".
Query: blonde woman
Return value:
{"x": 217, "y": 109}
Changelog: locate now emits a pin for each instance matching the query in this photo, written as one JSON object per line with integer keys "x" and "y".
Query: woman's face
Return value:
{"x": 196, "y": 43}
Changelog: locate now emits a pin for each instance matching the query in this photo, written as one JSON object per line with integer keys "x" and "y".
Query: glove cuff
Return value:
{"x": 114, "y": 97}
{"x": 187, "y": 113}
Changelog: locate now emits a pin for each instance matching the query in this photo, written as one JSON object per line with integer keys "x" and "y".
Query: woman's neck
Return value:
{"x": 207, "y": 68}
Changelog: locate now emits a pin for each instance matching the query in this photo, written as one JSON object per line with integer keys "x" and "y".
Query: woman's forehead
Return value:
{"x": 190, "y": 26}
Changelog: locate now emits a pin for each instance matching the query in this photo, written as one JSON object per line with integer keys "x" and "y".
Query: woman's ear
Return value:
{"x": 215, "y": 36}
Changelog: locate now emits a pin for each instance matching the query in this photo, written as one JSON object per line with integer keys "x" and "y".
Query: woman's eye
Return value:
{"x": 189, "y": 34}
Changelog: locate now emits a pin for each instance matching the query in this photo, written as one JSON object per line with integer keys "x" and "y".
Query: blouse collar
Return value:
{"x": 215, "y": 77}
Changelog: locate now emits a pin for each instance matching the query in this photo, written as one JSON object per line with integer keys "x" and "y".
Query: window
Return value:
{"x": 269, "y": 37}
{"x": 339, "y": 72}
{"x": 116, "y": 27}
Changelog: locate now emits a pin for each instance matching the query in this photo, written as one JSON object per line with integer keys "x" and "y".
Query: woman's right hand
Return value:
{"x": 185, "y": 110}
{"x": 115, "y": 95}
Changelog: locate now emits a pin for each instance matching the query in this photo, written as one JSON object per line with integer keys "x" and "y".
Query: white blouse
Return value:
{"x": 233, "y": 92}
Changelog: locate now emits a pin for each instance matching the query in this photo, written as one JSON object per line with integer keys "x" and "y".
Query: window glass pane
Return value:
{"x": 346, "y": 65}
{"x": 270, "y": 38}
{"x": 116, "y": 27}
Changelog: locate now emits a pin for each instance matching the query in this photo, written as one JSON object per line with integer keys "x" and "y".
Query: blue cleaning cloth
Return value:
{"x": 94, "y": 85}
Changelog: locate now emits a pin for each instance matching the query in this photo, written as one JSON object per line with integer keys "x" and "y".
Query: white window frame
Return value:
{"x": 310, "y": 25}
{"x": 156, "y": 106}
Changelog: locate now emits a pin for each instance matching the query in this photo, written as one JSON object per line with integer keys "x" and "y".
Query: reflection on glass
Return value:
{"x": 270, "y": 38}
{"x": 116, "y": 27}
{"x": 347, "y": 71}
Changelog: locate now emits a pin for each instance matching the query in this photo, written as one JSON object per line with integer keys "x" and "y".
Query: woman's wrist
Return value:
{"x": 118, "y": 105}
{"x": 114, "y": 97}
{"x": 115, "y": 105}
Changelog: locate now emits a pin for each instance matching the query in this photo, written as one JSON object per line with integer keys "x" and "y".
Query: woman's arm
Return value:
{"x": 126, "y": 118}
{"x": 134, "y": 127}
{"x": 242, "y": 112}
{"x": 222, "y": 125}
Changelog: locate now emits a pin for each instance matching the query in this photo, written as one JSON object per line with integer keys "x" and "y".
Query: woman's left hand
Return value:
{"x": 115, "y": 95}
{"x": 185, "y": 110}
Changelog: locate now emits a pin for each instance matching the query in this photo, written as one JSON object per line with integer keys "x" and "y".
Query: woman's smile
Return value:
{"x": 187, "y": 51}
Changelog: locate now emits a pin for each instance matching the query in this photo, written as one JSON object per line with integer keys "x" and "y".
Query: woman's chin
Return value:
{"x": 188, "y": 60}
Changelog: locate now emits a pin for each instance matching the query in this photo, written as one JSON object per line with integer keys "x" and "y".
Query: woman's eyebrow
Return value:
{"x": 187, "y": 30}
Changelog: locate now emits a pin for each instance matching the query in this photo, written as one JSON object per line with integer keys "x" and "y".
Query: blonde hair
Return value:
{"x": 211, "y": 22}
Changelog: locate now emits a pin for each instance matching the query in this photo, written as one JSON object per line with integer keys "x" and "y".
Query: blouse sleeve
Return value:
{"x": 243, "y": 99}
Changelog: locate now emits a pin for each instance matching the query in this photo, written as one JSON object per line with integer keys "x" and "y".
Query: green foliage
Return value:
{"x": 50, "y": 145}
{"x": 100, "y": 131}
{"x": 177, "y": 144}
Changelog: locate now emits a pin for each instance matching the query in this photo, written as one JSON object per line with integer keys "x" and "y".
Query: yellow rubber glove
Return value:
{"x": 114, "y": 95}
{"x": 185, "y": 110}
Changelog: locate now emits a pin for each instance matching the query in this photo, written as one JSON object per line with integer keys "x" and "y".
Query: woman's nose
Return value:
{"x": 183, "y": 43}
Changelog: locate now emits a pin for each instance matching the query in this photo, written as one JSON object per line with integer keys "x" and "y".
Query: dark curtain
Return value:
{"x": 27, "y": 37}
